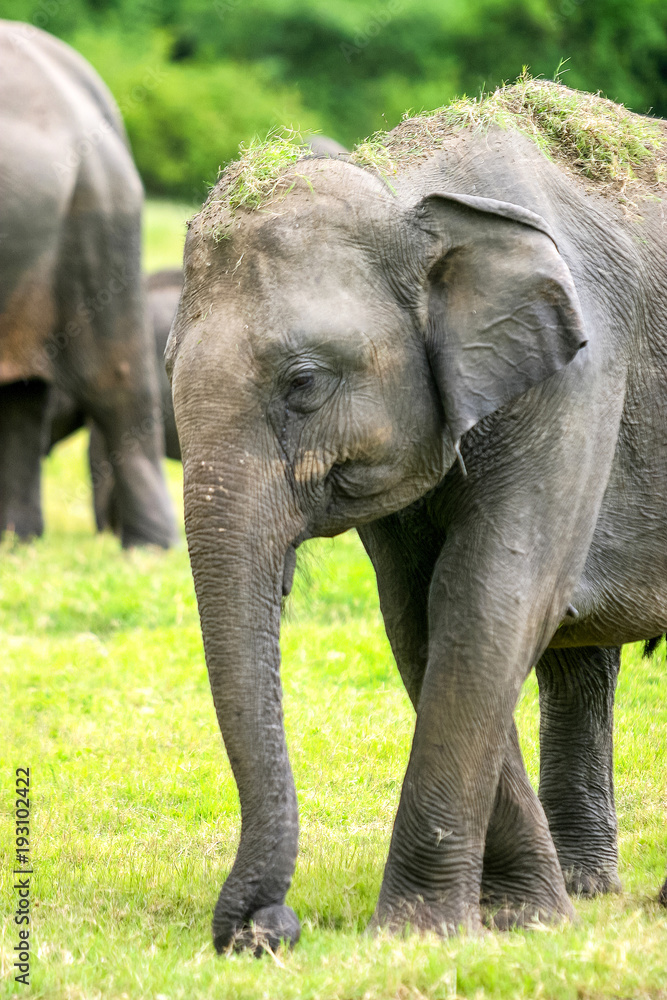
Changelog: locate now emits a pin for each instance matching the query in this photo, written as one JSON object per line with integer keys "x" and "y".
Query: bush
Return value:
{"x": 185, "y": 120}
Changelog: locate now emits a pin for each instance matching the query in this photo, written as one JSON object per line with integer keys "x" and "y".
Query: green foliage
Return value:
{"x": 222, "y": 71}
{"x": 164, "y": 229}
{"x": 185, "y": 120}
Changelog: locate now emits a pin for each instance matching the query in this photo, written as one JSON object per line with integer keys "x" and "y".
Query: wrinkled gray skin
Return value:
{"x": 71, "y": 301}
{"x": 64, "y": 416}
{"x": 327, "y": 358}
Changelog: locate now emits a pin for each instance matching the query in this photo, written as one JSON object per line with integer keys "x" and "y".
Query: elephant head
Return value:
{"x": 327, "y": 355}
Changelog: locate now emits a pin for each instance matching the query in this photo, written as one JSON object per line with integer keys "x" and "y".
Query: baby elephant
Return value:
{"x": 455, "y": 344}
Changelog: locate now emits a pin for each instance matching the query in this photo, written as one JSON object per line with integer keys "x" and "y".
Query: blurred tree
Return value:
{"x": 185, "y": 119}
{"x": 223, "y": 69}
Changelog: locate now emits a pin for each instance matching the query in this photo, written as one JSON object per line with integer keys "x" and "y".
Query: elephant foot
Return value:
{"x": 24, "y": 523}
{"x": 589, "y": 862}
{"x": 588, "y": 883}
{"x": 529, "y": 890}
{"x": 417, "y": 917}
{"x": 267, "y": 929}
{"x": 505, "y": 911}
{"x": 588, "y": 854}
{"x": 522, "y": 880}
{"x": 509, "y": 918}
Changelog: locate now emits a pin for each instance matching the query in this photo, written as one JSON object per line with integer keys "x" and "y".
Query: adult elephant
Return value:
{"x": 71, "y": 300}
{"x": 468, "y": 363}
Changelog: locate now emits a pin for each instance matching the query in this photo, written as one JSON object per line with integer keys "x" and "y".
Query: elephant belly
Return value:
{"x": 622, "y": 594}
{"x": 26, "y": 321}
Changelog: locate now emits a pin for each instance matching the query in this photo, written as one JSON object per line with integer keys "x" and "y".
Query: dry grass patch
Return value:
{"x": 597, "y": 138}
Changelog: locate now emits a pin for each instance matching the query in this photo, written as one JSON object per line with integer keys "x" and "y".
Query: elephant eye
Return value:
{"x": 303, "y": 380}
{"x": 307, "y": 387}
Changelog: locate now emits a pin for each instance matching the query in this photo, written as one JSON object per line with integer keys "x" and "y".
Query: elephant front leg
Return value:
{"x": 576, "y": 763}
{"x": 22, "y": 442}
{"x": 404, "y": 548}
{"x": 522, "y": 881}
{"x": 478, "y": 659}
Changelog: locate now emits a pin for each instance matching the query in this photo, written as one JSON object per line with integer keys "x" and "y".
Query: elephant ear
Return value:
{"x": 503, "y": 313}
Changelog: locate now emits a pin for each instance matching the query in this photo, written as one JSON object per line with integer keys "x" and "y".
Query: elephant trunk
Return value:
{"x": 240, "y": 530}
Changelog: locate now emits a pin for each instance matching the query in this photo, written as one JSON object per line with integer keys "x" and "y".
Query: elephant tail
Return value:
{"x": 651, "y": 645}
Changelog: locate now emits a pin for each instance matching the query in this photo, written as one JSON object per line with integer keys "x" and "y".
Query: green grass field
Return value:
{"x": 135, "y": 813}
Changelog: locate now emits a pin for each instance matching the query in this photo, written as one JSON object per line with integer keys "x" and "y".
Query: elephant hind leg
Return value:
{"x": 576, "y": 763}
{"x": 651, "y": 645}
{"x": 522, "y": 881}
{"x": 105, "y": 491}
{"x": 22, "y": 439}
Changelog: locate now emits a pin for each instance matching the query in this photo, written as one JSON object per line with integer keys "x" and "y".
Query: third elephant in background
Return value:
{"x": 163, "y": 290}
